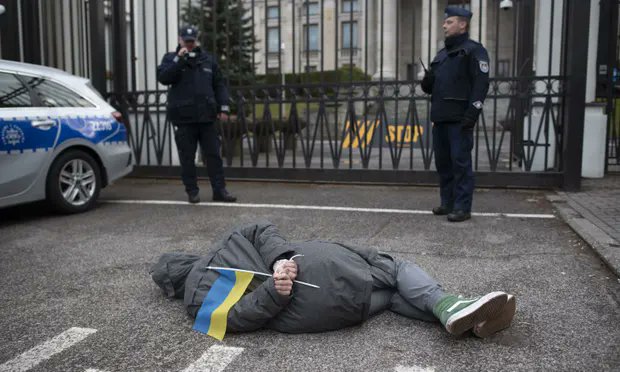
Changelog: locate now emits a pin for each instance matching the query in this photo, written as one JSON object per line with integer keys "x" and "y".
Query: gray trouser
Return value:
{"x": 403, "y": 287}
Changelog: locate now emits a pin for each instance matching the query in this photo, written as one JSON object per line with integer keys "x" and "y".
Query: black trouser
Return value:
{"x": 453, "y": 144}
{"x": 187, "y": 137}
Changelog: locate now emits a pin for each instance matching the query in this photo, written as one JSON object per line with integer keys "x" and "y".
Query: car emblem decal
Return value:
{"x": 477, "y": 105}
{"x": 12, "y": 135}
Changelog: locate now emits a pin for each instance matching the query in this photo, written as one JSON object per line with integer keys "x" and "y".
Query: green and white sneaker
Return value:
{"x": 458, "y": 315}
{"x": 502, "y": 321}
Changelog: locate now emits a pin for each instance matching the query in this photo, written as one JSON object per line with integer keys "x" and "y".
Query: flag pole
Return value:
{"x": 259, "y": 273}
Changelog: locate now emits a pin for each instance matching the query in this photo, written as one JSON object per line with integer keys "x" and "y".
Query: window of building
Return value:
{"x": 349, "y": 35}
{"x": 350, "y": 6}
{"x": 311, "y": 36}
{"x": 51, "y": 94}
{"x": 12, "y": 92}
{"x": 311, "y": 8}
{"x": 273, "y": 40}
{"x": 311, "y": 69}
{"x": 273, "y": 71}
{"x": 273, "y": 12}
{"x": 460, "y": 3}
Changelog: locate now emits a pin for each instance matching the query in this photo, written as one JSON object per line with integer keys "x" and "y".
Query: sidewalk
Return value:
{"x": 594, "y": 213}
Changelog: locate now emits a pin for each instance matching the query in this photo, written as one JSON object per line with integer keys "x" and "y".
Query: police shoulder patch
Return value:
{"x": 484, "y": 67}
{"x": 477, "y": 104}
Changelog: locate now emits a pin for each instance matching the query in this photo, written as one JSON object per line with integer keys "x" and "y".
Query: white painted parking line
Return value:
{"x": 318, "y": 207}
{"x": 216, "y": 359}
{"x": 413, "y": 369}
{"x": 47, "y": 349}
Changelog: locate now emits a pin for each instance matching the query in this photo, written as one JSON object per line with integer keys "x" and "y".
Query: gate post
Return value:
{"x": 119, "y": 47}
{"x": 576, "y": 27}
{"x": 97, "y": 46}
{"x": 9, "y": 32}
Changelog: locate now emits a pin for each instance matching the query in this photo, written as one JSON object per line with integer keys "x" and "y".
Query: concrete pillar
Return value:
{"x": 370, "y": 52}
{"x": 329, "y": 33}
{"x": 151, "y": 44}
{"x": 540, "y": 143}
{"x": 428, "y": 33}
{"x": 595, "y": 10}
{"x": 478, "y": 26}
{"x": 549, "y": 37}
{"x": 388, "y": 37}
{"x": 595, "y": 123}
{"x": 286, "y": 38}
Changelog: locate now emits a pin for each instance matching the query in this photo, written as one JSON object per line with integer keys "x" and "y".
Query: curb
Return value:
{"x": 603, "y": 244}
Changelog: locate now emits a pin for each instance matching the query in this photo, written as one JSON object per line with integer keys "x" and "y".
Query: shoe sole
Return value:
{"x": 487, "y": 307}
{"x": 459, "y": 219}
{"x": 502, "y": 321}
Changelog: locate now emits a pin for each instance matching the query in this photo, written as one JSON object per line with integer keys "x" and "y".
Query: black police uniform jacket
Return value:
{"x": 461, "y": 81}
{"x": 197, "y": 90}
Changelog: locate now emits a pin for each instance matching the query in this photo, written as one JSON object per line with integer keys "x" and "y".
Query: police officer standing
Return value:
{"x": 197, "y": 96}
{"x": 458, "y": 79}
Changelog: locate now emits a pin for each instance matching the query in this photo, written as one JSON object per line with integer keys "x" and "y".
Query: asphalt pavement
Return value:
{"x": 76, "y": 294}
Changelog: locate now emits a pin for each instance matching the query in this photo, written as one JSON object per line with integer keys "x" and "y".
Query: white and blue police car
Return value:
{"x": 59, "y": 139}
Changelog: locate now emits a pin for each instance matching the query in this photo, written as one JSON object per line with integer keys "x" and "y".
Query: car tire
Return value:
{"x": 73, "y": 182}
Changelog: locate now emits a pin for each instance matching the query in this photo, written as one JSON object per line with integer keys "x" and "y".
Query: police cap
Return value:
{"x": 188, "y": 33}
{"x": 455, "y": 11}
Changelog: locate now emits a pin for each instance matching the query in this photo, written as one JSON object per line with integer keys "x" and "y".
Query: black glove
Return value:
{"x": 468, "y": 123}
{"x": 428, "y": 81}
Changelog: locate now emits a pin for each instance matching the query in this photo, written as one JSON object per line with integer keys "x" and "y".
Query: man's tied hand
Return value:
{"x": 288, "y": 267}
{"x": 283, "y": 283}
{"x": 468, "y": 123}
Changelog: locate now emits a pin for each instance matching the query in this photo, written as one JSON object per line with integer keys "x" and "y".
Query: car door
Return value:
{"x": 28, "y": 136}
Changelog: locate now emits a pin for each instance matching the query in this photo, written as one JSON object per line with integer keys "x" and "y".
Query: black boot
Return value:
{"x": 459, "y": 216}
{"x": 441, "y": 210}
{"x": 193, "y": 198}
{"x": 223, "y": 196}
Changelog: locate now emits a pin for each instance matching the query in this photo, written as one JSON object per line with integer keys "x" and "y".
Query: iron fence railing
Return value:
{"x": 362, "y": 125}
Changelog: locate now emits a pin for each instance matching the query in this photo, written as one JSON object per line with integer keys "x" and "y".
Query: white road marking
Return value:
{"x": 317, "y": 207}
{"x": 413, "y": 369}
{"x": 94, "y": 370}
{"x": 216, "y": 359}
{"x": 47, "y": 349}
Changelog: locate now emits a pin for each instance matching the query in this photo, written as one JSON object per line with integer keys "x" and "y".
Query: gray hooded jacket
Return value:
{"x": 342, "y": 271}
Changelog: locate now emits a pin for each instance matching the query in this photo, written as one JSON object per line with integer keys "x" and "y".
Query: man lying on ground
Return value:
{"x": 353, "y": 283}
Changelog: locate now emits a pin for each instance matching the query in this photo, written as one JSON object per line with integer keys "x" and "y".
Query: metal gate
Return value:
{"x": 328, "y": 90}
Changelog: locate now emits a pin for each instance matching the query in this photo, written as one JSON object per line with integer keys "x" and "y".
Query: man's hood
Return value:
{"x": 171, "y": 271}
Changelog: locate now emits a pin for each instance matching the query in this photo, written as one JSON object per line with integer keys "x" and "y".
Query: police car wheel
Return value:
{"x": 74, "y": 182}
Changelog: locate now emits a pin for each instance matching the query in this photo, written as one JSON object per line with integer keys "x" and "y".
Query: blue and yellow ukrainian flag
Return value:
{"x": 224, "y": 294}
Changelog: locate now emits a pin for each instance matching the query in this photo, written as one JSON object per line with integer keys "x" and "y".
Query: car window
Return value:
{"x": 55, "y": 95}
{"x": 12, "y": 92}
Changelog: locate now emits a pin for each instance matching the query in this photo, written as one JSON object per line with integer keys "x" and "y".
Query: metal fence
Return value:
{"x": 333, "y": 89}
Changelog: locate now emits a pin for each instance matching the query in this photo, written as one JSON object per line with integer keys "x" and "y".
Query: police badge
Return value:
{"x": 484, "y": 67}
{"x": 12, "y": 135}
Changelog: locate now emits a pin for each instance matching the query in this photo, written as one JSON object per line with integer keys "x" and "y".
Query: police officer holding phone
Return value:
{"x": 197, "y": 96}
{"x": 458, "y": 80}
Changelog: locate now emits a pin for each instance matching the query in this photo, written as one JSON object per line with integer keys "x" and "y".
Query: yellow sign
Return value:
{"x": 365, "y": 132}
